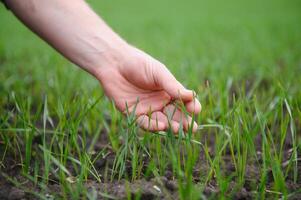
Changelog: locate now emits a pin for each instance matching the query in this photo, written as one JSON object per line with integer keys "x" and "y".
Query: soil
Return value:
{"x": 164, "y": 187}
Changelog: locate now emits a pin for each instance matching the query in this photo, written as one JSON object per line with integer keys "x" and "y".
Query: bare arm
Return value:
{"x": 71, "y": 27}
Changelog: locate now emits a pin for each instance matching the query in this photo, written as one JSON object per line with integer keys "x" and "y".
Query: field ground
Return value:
{"x": 60, "y": 138}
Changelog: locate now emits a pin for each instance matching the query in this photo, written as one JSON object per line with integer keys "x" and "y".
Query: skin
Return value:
{"x": 129, "y": 77}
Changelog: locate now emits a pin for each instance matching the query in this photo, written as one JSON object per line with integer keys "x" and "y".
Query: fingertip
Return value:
{"x": 149, "y": 124}
{"x": 141, "y": 121}
{"x": 160, "y": 119}
{"x": 191, "y": 126}
{"x": 193, "y": 106}
{"x": 160, "y": 126}
{"x": 195, "y": 127}
{"x": 175, "y": 126}
{"x": 198, "y": 106}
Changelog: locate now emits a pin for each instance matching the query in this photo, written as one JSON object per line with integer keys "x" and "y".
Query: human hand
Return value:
{"x": 133, "y": 75}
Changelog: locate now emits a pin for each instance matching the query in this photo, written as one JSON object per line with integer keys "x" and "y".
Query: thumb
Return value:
{"x": 171, "y": 85}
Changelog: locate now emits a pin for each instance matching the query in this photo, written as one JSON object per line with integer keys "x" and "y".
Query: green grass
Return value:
{"x": 242, "y": 58}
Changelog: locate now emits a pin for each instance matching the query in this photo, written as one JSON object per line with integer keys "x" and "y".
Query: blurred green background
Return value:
{"x": 197, "y": 40}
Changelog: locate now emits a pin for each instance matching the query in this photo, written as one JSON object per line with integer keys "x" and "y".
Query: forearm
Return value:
{"x": 71, "y": 27}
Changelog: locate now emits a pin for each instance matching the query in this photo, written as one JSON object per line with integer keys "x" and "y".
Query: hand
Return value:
{"x": 133, "y": 76}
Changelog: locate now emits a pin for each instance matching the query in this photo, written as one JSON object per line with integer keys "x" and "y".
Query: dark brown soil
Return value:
{"x": 13, "y": 185}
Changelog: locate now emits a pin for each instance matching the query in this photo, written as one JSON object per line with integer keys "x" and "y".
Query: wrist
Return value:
{"x": 109, "y": 56}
